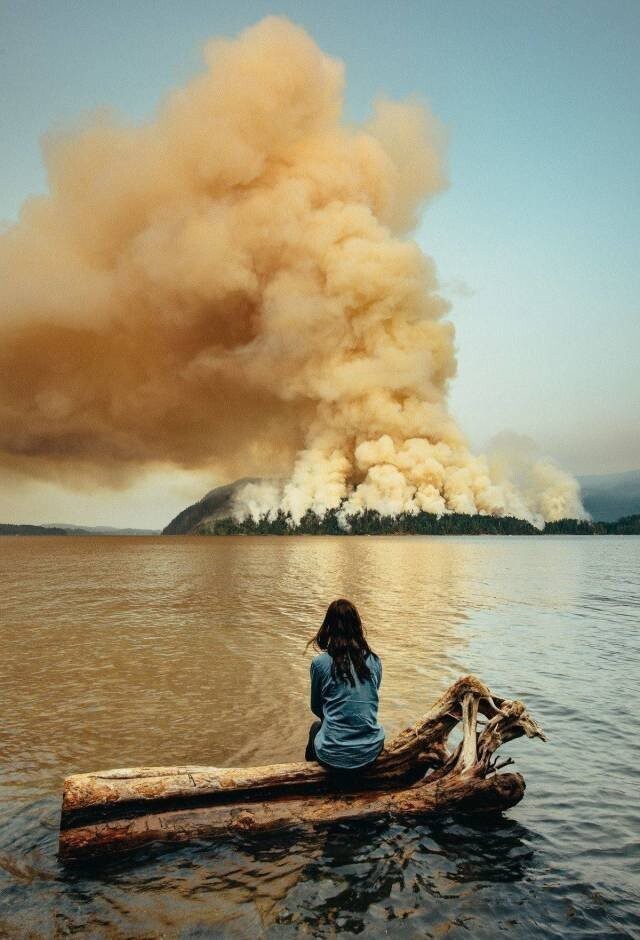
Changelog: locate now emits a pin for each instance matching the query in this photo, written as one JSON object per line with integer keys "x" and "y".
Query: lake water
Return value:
{"x": 127, "y": 651}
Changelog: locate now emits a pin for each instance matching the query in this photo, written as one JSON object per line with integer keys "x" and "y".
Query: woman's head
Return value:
{"x": 342, "y": 636}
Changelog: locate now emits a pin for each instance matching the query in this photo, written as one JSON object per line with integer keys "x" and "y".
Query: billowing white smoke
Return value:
{"x": 231, "y": 286}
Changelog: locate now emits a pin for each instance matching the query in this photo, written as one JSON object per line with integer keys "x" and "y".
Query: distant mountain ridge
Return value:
{"x": 609, "y": 496}
{"x": 98, "y": 529}
{"x": 61, "y": 528}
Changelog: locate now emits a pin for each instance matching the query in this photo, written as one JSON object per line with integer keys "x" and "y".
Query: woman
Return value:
{"x": 345, "y": 679}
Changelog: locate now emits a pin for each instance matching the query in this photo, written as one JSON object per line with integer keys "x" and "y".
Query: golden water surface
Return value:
{"x": 129, "y": 651}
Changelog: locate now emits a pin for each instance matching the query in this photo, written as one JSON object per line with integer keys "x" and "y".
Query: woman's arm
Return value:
{"x": 316, "y": 691}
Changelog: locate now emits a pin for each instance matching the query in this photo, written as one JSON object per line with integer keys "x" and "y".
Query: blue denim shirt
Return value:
{"x": 351, "y": 735}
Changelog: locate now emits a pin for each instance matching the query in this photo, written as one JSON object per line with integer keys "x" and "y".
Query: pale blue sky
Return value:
{"x": 537, "y": 238}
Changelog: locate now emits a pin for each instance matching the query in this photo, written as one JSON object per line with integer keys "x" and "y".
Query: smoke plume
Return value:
{"x": 231, "y": 286}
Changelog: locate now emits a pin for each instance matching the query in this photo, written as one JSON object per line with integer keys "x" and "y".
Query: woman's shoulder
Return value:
{"x": 373, "y": 660}
{"x": 322, "y": 661}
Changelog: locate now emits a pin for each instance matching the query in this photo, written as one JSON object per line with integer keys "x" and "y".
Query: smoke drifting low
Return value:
{"x": 230, "y": 286}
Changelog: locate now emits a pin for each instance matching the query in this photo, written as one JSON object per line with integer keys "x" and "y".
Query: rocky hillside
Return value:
{"x": 215, "y": 505}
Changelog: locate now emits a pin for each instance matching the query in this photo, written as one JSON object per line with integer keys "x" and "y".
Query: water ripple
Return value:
{"x": 133, "y": 651}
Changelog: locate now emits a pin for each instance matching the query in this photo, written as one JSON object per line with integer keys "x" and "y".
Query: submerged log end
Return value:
{"x": 494, "y": 794}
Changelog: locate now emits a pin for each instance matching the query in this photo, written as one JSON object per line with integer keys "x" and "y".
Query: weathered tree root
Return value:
{"x": 416, "y": 774}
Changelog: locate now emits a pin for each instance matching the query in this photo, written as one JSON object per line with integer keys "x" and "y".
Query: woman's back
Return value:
{"x": 350, "y": 735}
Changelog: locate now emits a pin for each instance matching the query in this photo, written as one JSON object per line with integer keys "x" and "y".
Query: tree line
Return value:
{"x": 371, "y": 522}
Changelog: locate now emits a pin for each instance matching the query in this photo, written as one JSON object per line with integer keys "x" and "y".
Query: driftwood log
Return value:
{"x": 416, "y": 773}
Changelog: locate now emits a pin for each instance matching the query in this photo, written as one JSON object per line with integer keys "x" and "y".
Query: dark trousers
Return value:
{"x": 348, "y": 775}
{"x": 310, "y": 752}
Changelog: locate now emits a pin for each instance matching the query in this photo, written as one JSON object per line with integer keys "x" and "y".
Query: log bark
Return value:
{"x": 416, "y": 773}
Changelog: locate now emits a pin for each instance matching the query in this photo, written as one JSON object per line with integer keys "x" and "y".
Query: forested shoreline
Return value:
{"x": 7, "y": 528}
{"x": 371, "y": 522}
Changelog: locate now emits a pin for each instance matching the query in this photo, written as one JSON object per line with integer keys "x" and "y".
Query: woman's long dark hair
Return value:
{"x": 342, "y": 636}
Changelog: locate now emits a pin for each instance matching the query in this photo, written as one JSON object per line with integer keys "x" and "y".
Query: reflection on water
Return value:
{"x": 132, "y": 651}
{"x": 162, "y": 652}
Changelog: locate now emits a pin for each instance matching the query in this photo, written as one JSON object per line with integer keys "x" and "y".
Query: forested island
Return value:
{"x": 7, "y": 528}
{"x": 216, "y": 514}
{"x": 371, "y": 522}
